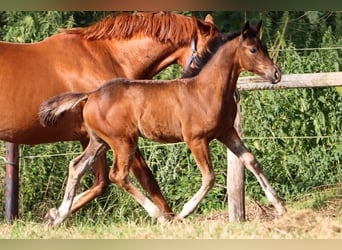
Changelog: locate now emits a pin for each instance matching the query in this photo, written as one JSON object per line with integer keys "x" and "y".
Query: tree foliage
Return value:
{"x": 295, "y": 134}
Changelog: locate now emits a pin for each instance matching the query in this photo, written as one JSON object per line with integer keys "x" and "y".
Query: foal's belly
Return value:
{"x": 164, "y": 132}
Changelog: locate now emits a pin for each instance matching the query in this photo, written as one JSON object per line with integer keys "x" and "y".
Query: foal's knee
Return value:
{"x": 118, "y": 178}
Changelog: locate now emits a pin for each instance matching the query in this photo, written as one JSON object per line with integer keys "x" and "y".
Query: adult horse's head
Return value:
{"x": 254, "y": 56}
{"x": 203, "y": 31}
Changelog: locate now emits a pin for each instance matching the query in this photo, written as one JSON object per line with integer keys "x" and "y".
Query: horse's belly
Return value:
{"x": 27, "y": 130}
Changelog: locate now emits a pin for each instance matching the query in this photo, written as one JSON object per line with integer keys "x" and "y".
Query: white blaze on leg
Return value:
{"x": 251, "y": 163}
{"x": 153, "y": 210}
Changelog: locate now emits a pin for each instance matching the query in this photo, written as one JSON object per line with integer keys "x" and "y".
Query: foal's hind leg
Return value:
{"x": 124, "y": 151}
{"x": 140, "y": 170}
{"x": 146, "y": 179}
{"x": 200, "y": 151}
{"x": 77, "y": 168}
{"x": 234, "y": 143}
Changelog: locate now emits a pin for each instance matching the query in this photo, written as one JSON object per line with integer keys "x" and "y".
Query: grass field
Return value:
{"x": 316, "y": 216}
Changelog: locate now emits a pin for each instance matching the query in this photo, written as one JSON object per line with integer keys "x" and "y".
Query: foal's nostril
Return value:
{"x": 277, "y": 75}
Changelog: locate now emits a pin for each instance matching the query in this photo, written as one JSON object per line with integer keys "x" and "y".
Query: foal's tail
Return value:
{"x": 53, "y": 108}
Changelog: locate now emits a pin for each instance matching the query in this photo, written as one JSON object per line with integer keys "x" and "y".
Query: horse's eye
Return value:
{"x": 253, "y": 50}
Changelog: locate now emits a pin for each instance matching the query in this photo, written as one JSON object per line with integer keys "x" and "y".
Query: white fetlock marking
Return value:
{"x": 190, "y": 206}
{"x": 187, "y": 209}
{"x": 64, "y": 210}
{"x": 153, "y": 210}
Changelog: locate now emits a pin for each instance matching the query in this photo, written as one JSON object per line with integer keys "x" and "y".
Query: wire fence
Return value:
{"x": 310, "y": 49}
{"x": 304, "y": 137}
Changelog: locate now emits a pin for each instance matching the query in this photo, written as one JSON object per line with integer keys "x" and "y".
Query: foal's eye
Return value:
{"x": 253, "y": 50}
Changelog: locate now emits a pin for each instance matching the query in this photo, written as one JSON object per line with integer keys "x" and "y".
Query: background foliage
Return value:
{"x": 295, "y": 134}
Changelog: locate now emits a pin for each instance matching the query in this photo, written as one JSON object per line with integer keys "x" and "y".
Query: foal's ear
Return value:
{"x": 245, "y": 29}
{"x": 258, "y": 26}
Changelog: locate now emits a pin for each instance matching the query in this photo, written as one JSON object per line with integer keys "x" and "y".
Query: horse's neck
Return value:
{"x": 142, "y": 58}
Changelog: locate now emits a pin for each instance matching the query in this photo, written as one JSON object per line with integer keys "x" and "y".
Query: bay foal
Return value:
{"x": 195, "y": 109}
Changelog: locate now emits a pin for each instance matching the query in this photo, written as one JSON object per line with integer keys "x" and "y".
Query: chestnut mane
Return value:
{"x": 162, "y": 26}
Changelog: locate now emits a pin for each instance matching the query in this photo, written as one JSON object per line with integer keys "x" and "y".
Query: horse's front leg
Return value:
{"x": 200, "y": 151}
{"x": 101, "y": 182}
{"x": 234, "y": 143}
{"x": 77, "y": 168}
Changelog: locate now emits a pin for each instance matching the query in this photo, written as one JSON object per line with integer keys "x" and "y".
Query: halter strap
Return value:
{"x": 193, "y": 54}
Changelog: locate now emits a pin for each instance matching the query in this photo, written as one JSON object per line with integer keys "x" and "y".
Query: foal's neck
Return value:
{"x": 222, "y": 71}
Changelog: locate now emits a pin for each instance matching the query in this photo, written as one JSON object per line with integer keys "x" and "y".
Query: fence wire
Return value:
{"x": 32, "y": 157}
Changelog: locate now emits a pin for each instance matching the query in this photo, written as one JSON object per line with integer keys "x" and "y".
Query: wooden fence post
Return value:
{"x": 236, "y": 179}
{"x": 12, "y": 182}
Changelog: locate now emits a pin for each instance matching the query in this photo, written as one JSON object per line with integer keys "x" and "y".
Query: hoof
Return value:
{"x": 51, "y": 216}
{"x": 281, "y": 209}
{"x": 178, "y": 218}
{"x": 162, "y": 220}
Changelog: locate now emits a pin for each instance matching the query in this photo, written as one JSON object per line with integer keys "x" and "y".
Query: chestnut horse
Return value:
{"x": 195, "y": 109}
{"x": 134, "y": 46}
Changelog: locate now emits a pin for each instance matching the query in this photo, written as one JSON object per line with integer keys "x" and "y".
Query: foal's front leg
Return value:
{"x": 234, "y": 143}
{"x": 200, "y": 151}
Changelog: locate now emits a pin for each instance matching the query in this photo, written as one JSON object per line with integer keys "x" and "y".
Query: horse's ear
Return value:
{"x": 245, "y": 29}
{"x": 209, "y": 19}
{"x": 206, "y": 25}
{"x": 258, "y": 26}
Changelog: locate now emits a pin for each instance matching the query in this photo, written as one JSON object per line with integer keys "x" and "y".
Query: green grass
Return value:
{"x": 304, "y": 220}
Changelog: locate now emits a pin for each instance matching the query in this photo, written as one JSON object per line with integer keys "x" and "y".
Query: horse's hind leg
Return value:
{"x": 146, "y": 179}
{"x": 101, "y": 182}
{"x": 119, "y": 174}
{"x": 234, "y": 143}
{"x": 77, "y": 168}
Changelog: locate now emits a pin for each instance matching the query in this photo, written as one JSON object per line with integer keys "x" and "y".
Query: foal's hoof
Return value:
{"x": 178, "y": 218}
{"x": 281, "y": 209}
{"x": 51, "y": 216}
{"x": 162, "y": 220}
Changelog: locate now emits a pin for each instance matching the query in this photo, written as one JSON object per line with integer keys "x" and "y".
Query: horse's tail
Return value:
{"x": 53, "y": 108}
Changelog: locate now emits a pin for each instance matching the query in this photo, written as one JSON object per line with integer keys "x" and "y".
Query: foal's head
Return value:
{"x": 253, "y": 55}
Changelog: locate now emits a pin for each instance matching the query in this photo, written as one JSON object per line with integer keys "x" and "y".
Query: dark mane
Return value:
{"x": 209, "y": 50}
{"x": 162, "y": 26}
